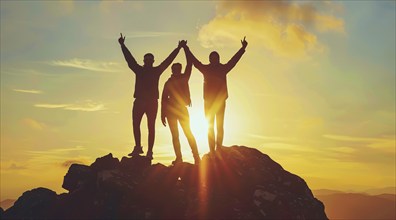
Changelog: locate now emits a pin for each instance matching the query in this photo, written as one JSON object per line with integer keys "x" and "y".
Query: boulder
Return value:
{"x": 107, "y": 162}
{"x": 79, "y": 176}
{"x": 38, "y": 203}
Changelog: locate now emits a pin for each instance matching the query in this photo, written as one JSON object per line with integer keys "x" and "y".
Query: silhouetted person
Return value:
{"x": 146, "y": 94}
{"x": 175, "y": 98}
{"x": 215, "y": 91}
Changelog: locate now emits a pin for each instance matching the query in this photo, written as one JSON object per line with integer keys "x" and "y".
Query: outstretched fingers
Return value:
{"x": 244, "y": 42}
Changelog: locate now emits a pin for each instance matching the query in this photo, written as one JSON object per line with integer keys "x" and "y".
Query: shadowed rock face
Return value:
{"x": 234, "y": 183}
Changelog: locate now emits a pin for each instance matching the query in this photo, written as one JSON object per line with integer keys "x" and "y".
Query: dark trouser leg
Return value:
{"x": 172, "y": 122}
{"x": 220, "y": 123}
{"x": 209, "y": 114}
{"x": 185, "y": 124}
{"x": 151, "y": 112}
{"x": 137, "y": 114}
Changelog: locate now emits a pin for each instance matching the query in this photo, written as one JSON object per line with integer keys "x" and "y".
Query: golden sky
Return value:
{"x": 315, "y": 89}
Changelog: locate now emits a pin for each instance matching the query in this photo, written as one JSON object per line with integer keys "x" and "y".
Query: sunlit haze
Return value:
{"x": 315, "y": 89}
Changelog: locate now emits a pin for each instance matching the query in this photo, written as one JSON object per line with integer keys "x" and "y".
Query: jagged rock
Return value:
{"x": 136, "y": 164}
{"x": 107, "y": 162}
{"x": 79, "y": 176}
{"x": 34, "y": 204}
{"x": 234, "y": 183}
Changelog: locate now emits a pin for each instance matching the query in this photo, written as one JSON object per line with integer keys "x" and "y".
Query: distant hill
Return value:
{"x": 5, "y": 204}
{"x": 233, "y": 183}
{"x": 391, "y": 197}
{"x": 359, "y": 206}
{"x": 378, "y": 191}
{"x": 323, "y": 192}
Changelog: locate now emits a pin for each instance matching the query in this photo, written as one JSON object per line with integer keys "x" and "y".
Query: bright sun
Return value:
{"x": 199, "y": 127}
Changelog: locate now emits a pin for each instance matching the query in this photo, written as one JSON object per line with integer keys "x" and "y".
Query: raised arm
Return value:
{"x": 194, "y": 60}
{"x": 234, "y": 60}
{"x": 188, "y": 70}
{"x": 171, "y": 57}
{"x": 133, "y": 65}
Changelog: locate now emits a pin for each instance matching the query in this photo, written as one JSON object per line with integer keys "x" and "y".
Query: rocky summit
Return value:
{"x": 234, "y": 183}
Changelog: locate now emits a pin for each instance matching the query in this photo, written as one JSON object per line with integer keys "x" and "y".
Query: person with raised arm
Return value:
{"x": 216, "y": 91}
{"x": 146, "y": 93}
{"x": 175, "y": 98}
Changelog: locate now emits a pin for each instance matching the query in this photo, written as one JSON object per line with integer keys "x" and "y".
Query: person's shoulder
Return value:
{"x": 157, "y": 69}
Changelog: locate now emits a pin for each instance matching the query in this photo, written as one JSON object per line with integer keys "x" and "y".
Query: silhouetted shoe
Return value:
{"x": 136, "y": 151}
{"x": 177, "y": 161}
{"x": 149, "y": 155}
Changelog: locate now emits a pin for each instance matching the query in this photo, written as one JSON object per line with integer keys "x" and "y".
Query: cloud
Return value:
{"x": 287, "y": 29}
{"x": 87, "y": 64}
{"x": 58, "y": 150}
{"x": 86, "y": 106}
{"x": 351, "y": 138}
{"x": 345, "y": 150}
{"x": 272, "y": 138}
{"x": 34, "y": 124}
{"x": 57, "y": 156}
{"x": 384, "y": 144}
{"x": 32, "y": 91}
{"x": 16, "y": 167}
{"x": 51, "y": 105}
{"x": 68, "y": 163}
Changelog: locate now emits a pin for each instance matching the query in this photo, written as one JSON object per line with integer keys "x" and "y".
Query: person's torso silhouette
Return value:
{"x": 216, "y": 91}
{"x": 178, "y": 90}
{"x": 175, "y": 98}
{"x": 146, "y": 94}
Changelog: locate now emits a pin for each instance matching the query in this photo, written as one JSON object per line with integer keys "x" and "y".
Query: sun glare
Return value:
{"x": 199, "y": 127}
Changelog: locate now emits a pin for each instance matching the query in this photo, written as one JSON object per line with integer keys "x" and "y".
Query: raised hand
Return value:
{"x": 121, "y": 39}
{"x": 244, "y": 42}
{"x": 182, "y": 43}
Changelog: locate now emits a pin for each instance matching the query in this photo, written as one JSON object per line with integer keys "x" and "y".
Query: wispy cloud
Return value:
{"x": 271, "y": 138}
{"x": 31, "y": 91}
{"x": 385, "y": 144}
{"x": 285, "y": 28}
{"x": 16, "y": 167}
{"x": 58, "y": 150}
{"x": 87, "y": 64}
{"x": 34, "y": 124}
{"x": 58, "y": 156}
{"x": 86, "y": 106}
{"x": 68, "y": 163}
{"x": 51, "y": 105}
{"x": 352, "y": 139}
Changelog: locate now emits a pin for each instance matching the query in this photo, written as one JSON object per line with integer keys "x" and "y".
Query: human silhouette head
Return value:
{"x": 148, "y": 59}
{"x": 214, "y": 57}
{"x": 176, "y": 68}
